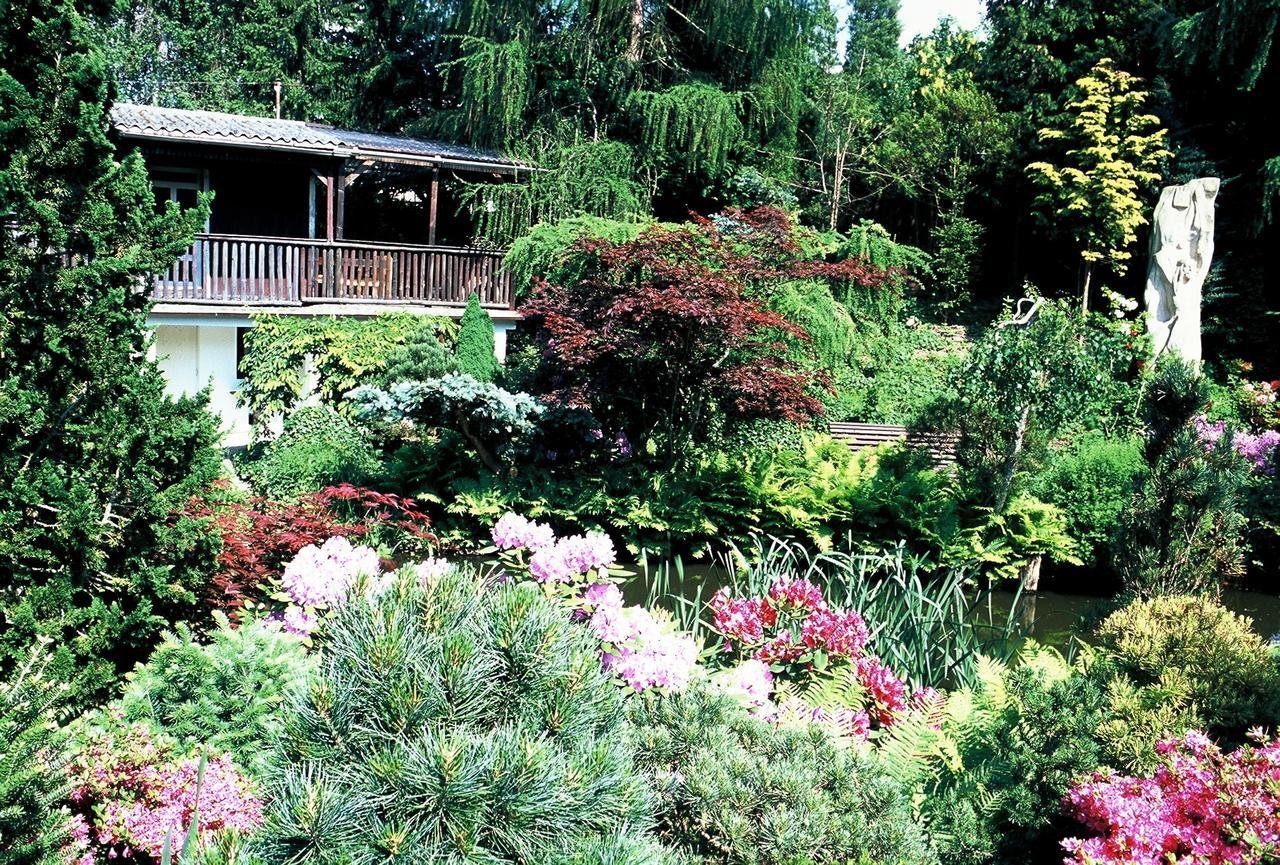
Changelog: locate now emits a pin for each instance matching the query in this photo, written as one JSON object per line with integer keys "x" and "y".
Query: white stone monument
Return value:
{"x": 1181, "y": 250}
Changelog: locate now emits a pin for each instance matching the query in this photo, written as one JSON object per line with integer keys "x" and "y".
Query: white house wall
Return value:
{"x": 194, "y": 351}
{"x": 198, "y": 355}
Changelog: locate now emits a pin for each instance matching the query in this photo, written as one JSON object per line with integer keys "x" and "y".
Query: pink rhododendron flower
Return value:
{"x": 751, "y": 684}
{"x": 429, "y": 570}
{"x": 322, "y": 576}
{"x": 643, "y": 651}
{"x": 886, "y": 690}
{"x": 513, "y": 532}
{"x": 842, "y": 635}
{"x": 742, "y": 620}
{"x": 799, "y": 594}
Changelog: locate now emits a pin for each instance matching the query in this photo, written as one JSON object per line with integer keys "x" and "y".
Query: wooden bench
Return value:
{"x": 859, "y": 436}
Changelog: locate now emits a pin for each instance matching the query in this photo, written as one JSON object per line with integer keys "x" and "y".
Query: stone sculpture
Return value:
{"x": 1181, "y": 250}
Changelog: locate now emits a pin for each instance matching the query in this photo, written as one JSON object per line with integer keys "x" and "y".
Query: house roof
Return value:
{"x": 150, "y": 122}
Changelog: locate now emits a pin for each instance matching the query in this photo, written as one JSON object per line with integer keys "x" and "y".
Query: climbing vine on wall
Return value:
{"x": 283, "y": 352}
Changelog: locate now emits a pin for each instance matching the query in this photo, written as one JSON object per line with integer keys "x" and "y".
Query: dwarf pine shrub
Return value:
{"x": 33, "y": 825}
{"x": 737, "y": 790}
{"x": 457, "y": 721}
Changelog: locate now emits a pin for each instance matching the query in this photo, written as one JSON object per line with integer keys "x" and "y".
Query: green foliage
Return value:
{"x": 421, "y": 357}
{"x": 1029, "y": 382}
{"x": 33, "y": 823}
{"x": 96, "y": 457}
{"x": 736, "y": 790}
{"x": 283, "y": 351}
{"x": 1227, "y": 670}
{"x": 547, "y": 250}
{"x": 455, "y": 719}
{"x": 475, "y": 353}
{"x": 1182, "y": 530}
{"x": 1091, "y": 479}
{"x": 1113, "y": 155}
{"x": 695, "y": 126}
{"x": 1008, "y": 541}
{"x": 228, "y": 693}
{"x": 317, "y": 448}
{"x": 1017, "y": 742}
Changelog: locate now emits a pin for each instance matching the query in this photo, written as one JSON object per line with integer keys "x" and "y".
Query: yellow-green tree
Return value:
{"x": 1113, "y": 152}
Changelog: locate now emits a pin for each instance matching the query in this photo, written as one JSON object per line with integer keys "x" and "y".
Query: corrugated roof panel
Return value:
{"x": 213, "y": 127}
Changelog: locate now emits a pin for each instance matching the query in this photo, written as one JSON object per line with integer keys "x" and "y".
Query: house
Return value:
{"x": 306, "y": 220}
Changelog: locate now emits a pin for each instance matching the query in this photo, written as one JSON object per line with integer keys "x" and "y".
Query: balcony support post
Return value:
{"x": 431, "y": 212}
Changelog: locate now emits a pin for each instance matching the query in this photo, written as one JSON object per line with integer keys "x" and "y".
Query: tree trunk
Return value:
{"x": 1011, "y": 462}
{"x": 637, "y": 31}
{"x": 1031, "y": 573}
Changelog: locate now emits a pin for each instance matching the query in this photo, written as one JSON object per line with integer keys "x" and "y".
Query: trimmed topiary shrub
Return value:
{"x": 33, "y": 825}
{"x": 318, "y": 448}
{"x": 1197, "y": 647}
{"x": 736, "y": 790}
{"x": 474, "y": 352}
{"x": 462, "y": 721}
{"x": 228, "y": 693}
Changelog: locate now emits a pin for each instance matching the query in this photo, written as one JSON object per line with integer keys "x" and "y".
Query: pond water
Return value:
{"x": 1050, "y": 617}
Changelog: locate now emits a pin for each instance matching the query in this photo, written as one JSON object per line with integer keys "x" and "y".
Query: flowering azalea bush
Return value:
{"x": 132, "y": 792}
{"x": 792, "y": 632}
{"x": 1259, "y": 449}
{"x": 640, "y": 647}
{"x": 1200, "y": 806}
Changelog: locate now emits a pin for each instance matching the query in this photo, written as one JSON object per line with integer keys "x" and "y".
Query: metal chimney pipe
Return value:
{"x": 278, "y": 87}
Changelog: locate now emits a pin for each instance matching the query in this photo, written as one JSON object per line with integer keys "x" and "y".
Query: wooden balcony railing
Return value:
{"x": 225, "y": 268}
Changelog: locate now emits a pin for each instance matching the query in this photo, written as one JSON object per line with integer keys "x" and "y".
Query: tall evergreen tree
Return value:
{"x": 94, "y": 457}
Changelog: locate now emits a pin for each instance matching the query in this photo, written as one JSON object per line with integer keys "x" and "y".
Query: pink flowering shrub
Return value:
{"x": 794, "y": 632}
{"x": 1259, "y": 449}
{"x": 1200, "y": 806}
{"x": 318, "y": 579}
{"x": 642, "y": 649}
{"x": 132, "y": 791}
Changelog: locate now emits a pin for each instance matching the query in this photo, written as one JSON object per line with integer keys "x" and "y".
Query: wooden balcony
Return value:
{"x": 278, "y": 271}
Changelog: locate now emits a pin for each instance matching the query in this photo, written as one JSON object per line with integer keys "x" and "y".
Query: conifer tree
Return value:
{"x": 33, "y": 823}
{"x": 456, "y": 720}
{"x": 475, "y": 350}
{"x": 94, "y": 457}
{"x": 1181, "y": 533}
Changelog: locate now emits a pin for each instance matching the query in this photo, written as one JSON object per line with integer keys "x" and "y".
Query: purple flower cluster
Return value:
{"x": 642, "y": 650}
{"x": 514, "y": 532}
{"x": 1258, "y": 448}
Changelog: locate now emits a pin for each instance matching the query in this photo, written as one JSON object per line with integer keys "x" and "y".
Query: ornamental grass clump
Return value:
{"x": 456, "y": 719}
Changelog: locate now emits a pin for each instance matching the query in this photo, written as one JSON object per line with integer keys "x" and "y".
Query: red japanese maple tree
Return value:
{"x": 664, "y": 328}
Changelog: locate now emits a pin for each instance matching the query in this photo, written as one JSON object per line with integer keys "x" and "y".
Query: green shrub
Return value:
{"x": 318, "y": 447}
{"x": 228, "y": 693}
{"x": 475, "y": 350}
{"x": 1195, "y": 646}
{"x": 455, "y": 721}
{"x": 33, "y": 824}
{"x": 991, "y": 767}
{"x": 1092, "y": 480}
{"x": 1181, "y": 533}
{"x": 420, "y": 358}
{"x": 736, "y": 790}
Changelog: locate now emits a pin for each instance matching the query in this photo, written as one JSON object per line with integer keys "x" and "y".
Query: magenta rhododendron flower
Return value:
{"x": 888, "y": 693}
{"x": 800, "y": 594}
{"x": 742, "y": 620}
{"x": 1200, "y": 806}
